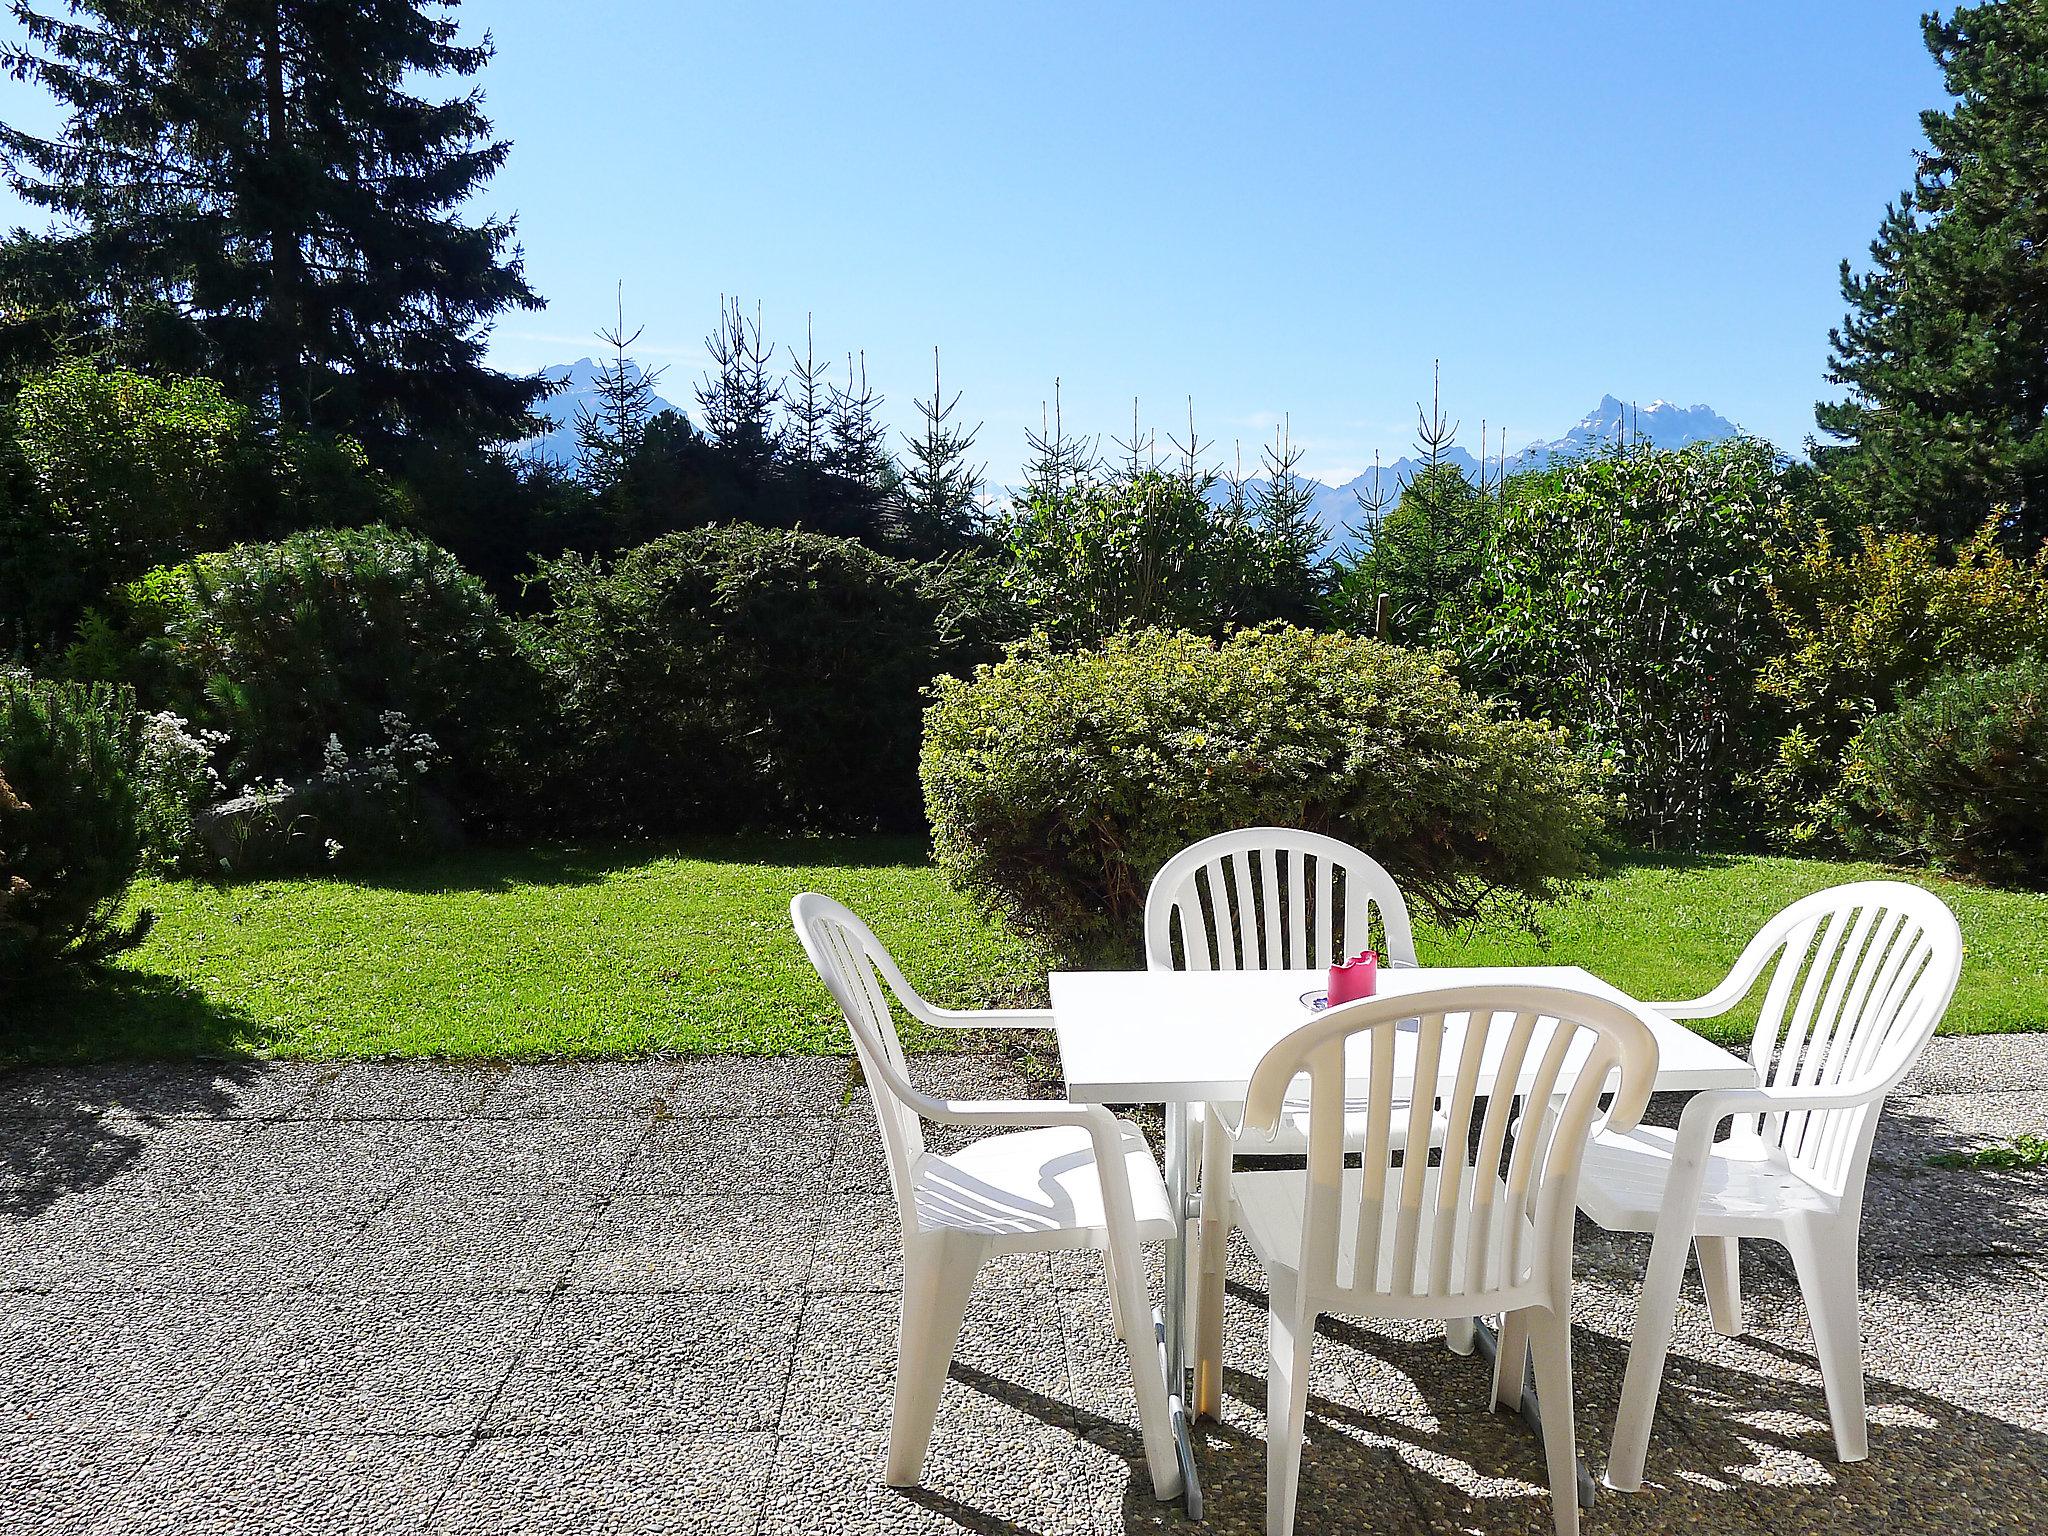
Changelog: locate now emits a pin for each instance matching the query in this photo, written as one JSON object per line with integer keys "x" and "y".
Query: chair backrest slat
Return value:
{"x": 1449, "y": 1233}
{"x": 1272, "y": 898}
{"x": 860, "y": 974}
{"x": 1872, "y": 966}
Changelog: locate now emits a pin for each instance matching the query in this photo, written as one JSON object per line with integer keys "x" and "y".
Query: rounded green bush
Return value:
{"x": 742, "y": 677}
{"x": 1058, "y": 784}
{"x": 70, "y": 840}
{"x": 1958, "y": 775}
{"x": 328, "y": 637}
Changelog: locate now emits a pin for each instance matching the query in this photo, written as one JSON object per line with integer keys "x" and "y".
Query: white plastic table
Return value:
{"x": 1189, "y": 1037}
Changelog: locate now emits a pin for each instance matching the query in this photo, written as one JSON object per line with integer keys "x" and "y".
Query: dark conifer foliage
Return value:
{"x": 610, "y": 431}
{"x": 942, "y": 486}
{"x": 737, "y": 399}
{"x": 1944, "y": 351}
{"x": 265, "y": 191}
{"x": 1056, "y": 459}
{"x": 1292, "y": 538}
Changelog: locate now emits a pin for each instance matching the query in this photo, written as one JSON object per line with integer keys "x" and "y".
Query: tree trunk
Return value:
{"x": 287, "y": 258}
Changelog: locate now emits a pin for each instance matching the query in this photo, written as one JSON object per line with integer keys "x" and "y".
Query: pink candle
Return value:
{"x": 1355, "y": 978}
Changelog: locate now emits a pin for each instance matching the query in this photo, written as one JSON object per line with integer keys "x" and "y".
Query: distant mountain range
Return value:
{"x": 1660, "y": 423}
{"x": 559, "y": 441}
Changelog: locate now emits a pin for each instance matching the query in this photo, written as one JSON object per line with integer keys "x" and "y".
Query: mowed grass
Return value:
{"x": 633, "y": 951}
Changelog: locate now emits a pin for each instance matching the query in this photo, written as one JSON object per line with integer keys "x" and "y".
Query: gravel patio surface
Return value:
{"x": 659, "y": 1297}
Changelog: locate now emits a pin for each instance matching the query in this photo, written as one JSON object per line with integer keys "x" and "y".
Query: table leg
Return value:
{"x": 1173, "y": 1324}
{"x": 1488, "y": 1344}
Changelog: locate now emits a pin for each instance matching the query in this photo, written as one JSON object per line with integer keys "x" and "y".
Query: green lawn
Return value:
{"x": 628, "y": 951}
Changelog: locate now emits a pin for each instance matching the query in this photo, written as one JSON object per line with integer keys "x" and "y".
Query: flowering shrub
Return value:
{"x": 278, "y": 650}
{"x": 174, "y": 780}
{"x": 1057, "y": 784}
{"x": 362, "y": 806}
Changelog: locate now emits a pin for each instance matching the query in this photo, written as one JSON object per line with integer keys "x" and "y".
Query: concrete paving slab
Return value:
{"x": 722, "y": 1242}
{"x": 602, "y": 1090}
{"x": 159, "y": 1090}
{"x": 150, "y": 1239}
{"x": 597, "y": 1296}
{"x": 292, "y": 1485}
{"x": 757, "y": 1154}
{"x": 397, "y": 1090}
{"x": 668, "y": 1363}
{"x": 1914, "y": 1128}
{"x": 621, "y": 1485}
{"x": 845, "y": 1365}
{"x": 763, "y": 1085}
{"x": 57, "y": 1484}
{"x": 426, "y": 1241}
{"x": 342, "y": 1364}
{"x": 553, "y": 1153}
{"x": 1980, "y": 1064}
{"x": 114, "y": 1363}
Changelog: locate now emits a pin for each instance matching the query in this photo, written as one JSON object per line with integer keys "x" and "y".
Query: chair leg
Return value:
{"x": 1118, "y": 1323}
{"x": 1827, "y": 1270}
{"x": 938, "y": 1277}
{"x": 1148, "y": 1379}
{"x": 1721, "y": 1274}
{"x": 1460, "y": 1335}
{"x": 1290, "y": 1335}
{"x": 1656, "y": 1315}
{"x": 1550, "y": 1339}
{"x": 1211, "y": 1266}
{"x": 1510, "y": 1360}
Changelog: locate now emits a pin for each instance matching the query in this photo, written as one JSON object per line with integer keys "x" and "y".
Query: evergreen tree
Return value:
{"x": 941, "y": 494}
{"x": 1196, "y": 475}
{"x": 856, "y": 441}
{"x": 737, "y": 399}
{"x": 1944, "y": 352}
{"x": 610, "y": 432}
{"x": 1290, "y": 538}
{"x": 260, "y": 187}
{"x": 1428, "y": 551}
{"x": 807, "y": 408}
{"x": 1058, "y": 460}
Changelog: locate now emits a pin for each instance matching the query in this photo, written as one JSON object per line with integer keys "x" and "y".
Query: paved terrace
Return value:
{"x": 658, "y": 1297}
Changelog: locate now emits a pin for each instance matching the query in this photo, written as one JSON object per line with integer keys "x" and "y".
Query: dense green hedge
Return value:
{"x": 327, "y": 639}
{"x": 739, "y": 677}
{"x": 1958, "y": 775}
{"x": 1057, "y": 784}
{"x": 1866, "y": 626}
{"x": 69, "y": 836}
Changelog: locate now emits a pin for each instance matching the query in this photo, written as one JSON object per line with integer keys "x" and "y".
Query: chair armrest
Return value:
{"x": 1105, "y": 1137}
{"x": 1708, "y": 1007}
{"x": 986, "y": 1018}
{"x": 1708, "y": 1109}
{"x": 1020, "y": 1113}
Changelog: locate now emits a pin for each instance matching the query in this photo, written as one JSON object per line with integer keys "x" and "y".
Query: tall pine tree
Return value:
{"x": 611, "y": 429}
{"x": 1944, "y": 352}
{"x": 941, "y": 493}
{"x": 263, "y": 186}
{"x": 738, "y": 396}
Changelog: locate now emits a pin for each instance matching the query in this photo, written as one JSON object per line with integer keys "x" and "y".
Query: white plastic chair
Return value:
{"x": 1438, "y": 1236}
{"x": 1055, "y": 1176}
{"x": 1864, "y": 973}
{"x": 1264, "y": 899}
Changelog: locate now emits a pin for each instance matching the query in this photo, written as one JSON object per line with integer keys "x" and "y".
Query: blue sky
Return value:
{"x": 1275, "y": 208}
